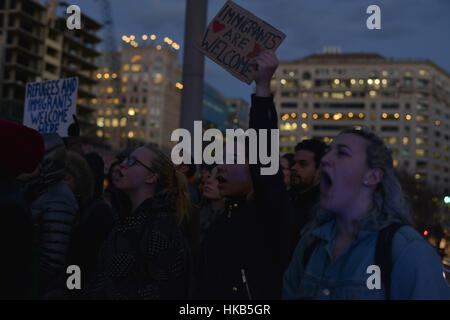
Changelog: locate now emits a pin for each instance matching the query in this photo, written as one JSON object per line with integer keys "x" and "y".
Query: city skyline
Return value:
{"x": 408, "y": 30}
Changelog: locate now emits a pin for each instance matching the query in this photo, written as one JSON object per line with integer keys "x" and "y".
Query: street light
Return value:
{"x": 447, "y": 199}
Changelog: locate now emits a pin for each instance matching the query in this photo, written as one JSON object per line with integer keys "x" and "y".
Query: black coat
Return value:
{"x": 16, "y": 240}
{"x": 145, "y": 257}
{"x": 247, "y": 253}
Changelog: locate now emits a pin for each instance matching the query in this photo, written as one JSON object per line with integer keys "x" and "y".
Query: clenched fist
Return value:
{"x": 267, "y": 63}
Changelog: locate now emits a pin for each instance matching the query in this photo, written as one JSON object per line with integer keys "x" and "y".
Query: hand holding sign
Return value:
{"x": 235, "y": 37}
{"x": 267, "y": 64}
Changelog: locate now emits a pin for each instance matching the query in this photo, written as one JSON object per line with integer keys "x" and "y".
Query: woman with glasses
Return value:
{"x": 146, "y": 256}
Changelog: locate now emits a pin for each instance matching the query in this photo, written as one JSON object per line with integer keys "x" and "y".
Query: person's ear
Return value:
{"x": 373, "y": 177}
{"x": 151, "y": 178}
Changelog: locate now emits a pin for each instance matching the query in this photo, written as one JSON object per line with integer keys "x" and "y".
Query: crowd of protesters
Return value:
{"x": 160, "y": 231}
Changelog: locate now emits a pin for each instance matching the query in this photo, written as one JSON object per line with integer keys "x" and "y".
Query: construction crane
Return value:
{"x": 109, "y": 33}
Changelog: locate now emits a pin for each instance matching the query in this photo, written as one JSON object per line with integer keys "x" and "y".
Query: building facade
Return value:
{"x": 22, "y": 36}
{"x": 140, "y": 104}
{"x": 238, "y": 113}
{"x": 36, "y": 45}
{"x": 406, "y": 102}
{"x": 214, "y": 111}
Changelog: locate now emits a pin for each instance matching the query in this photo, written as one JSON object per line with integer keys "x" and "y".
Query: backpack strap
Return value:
{"x": 383, "y": 254}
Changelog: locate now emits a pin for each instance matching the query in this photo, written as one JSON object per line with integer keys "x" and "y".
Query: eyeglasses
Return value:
{"x": 131, "y": 161}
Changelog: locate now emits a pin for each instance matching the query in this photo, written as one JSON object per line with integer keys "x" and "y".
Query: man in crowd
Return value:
{"x": 308, "y": 154}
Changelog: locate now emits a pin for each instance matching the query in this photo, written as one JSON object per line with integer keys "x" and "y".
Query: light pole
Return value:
{"x": 193, "y": 64}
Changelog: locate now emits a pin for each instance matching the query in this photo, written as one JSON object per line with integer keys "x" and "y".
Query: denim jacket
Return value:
{"x": 416, "y": 268}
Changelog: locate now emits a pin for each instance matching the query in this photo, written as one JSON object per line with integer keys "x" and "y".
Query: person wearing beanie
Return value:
{"x": 22, "y": 151}
{"x": 54, "y": 211}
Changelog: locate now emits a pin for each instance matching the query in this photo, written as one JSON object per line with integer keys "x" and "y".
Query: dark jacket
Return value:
{"x": 54, "y": 210}
{"x": 145, "y": 257}
{"x": 246, "y": 254}
{"x": 305, "y": 204}
{"x": 95, "y": 223}
{"x": 16, "y": 238}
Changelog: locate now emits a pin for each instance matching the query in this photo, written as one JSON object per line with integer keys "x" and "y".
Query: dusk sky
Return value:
{"x": 416, "y": 29}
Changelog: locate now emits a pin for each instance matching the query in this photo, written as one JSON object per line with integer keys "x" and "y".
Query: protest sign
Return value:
{"x": 50, "y": 105}
{"x": 235, "y": 37}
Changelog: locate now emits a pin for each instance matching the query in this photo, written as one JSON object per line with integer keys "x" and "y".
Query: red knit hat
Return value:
{"x": 21, "y": 148}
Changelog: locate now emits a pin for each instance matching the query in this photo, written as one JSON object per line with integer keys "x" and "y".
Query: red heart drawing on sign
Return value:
{"x": 254, "y": 52}
{"x": 218, "y": 26}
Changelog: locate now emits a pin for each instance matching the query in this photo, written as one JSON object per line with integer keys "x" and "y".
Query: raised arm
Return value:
{"x": 270, "y": 190}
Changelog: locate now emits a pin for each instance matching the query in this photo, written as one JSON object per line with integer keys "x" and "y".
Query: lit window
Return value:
{"x": 369, "y": 81}
{"x": 395, "y": 163}
{"x": 304, "y": 126}
{"x": 100, "y": 112}
{"x": 100, "y": 122}
{"x": 337, "y": 95}
{"x": 115, "y": 122}
{"x": 283, "y": 81}
{"x": 131, "y": 112}
{"x": 408, "y": 117}
{"x": 106, "y": 76}
{"x": 99, "y": 76}
{"x": 136, "y": 68}
{"x": 405, "y": 140}
{"x": 372, "y": 93}
{"x": 304, "y": 115}
{"x": 326, "y": 115}
{"x": 123, "y": 122}
{"x": 110, "y": 90}
{"x": 125, "y": 78}
{"x": 350, "y": 114}
{"x": 361, "y": 115}
{"x": 421, "y": 152}
{"x": 136, "y": 58}
{"x": 116, "y": 100}
{"x": 108, "y": 111}
{"x": 437, "y": 122}
{"x": 99, "y": 133}
{"x": 107, "y": 122}
{"x": 94, "y": 101}
{"x": 157, "y": 78}
{"x": 126, "y": 67}
{"x": 124, "y": 89}
{"x": 315, "y": 116}
{"x": 130, "y": 134}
